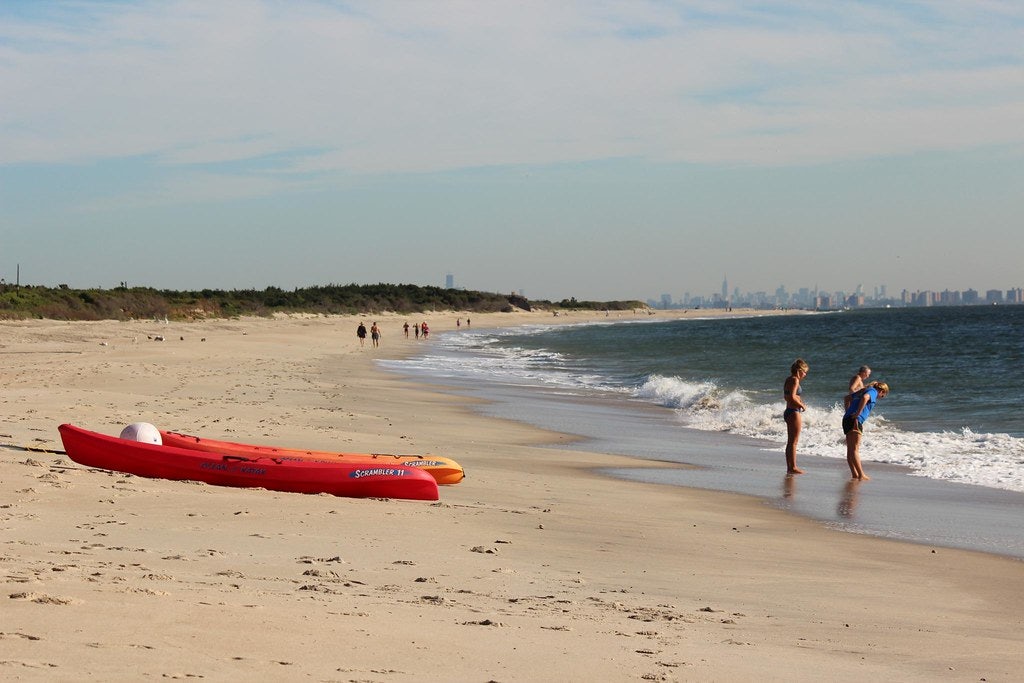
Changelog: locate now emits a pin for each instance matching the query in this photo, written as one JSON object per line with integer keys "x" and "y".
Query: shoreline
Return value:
{"x": 895, "y": 505}
{"x": 537, "y": 566}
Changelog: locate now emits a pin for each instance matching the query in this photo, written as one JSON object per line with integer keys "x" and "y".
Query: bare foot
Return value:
{"x": 864, "y": 477}
{"x": 795, "y": 470}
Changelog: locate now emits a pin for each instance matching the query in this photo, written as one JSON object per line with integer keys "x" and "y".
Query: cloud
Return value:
{"x": 413, "y": 87}
{"x": 193, "y": 188}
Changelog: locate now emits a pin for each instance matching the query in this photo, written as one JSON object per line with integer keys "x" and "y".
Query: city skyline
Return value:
{"x": 814, "y": 297}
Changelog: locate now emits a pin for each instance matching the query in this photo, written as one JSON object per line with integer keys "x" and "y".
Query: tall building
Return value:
{"x": 781, "y": 297}
{"x": 449, "y": 281}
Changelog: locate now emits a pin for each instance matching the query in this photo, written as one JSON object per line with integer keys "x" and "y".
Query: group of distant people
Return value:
{"x": 374, "y": 334}
{"x": 858, "y": 403}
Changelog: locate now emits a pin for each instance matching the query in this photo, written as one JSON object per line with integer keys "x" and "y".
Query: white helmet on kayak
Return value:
{"x": 142, "y": 431}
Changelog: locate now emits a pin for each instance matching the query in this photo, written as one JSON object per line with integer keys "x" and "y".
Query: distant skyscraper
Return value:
{"x": 449, "y": 281}
{"x": 725, "y": 288}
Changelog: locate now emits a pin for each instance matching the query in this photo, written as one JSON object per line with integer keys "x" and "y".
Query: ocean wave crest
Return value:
{"x": 964, "y": 456}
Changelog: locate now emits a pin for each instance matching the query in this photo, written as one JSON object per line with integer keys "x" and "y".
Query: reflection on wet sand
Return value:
{"x": 789, "y": 486}
{"x": 848, "y": 501}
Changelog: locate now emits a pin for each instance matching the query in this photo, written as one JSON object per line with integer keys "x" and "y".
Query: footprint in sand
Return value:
{"x": 231, "y": 573}
{"x": 433, "y": 599}
{"x": 483, "y": 622}
{"x": 306, "y": 559}
{"x": 319, "y": 588}
{"x": 328, "y": 574}
{"x": 43, "y": 599}
{"x": 24, "y": 636}
{"x": 482, "y": 549}
{"x": 146, "y": 591}
{"x": 53, "y": 480}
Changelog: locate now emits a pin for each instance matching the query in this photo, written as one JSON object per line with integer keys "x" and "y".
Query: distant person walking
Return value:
{"x": 793, "y": 414}
{"x": 361, "y": 333}
{"x": 853, "y": 423}
{"x": 424, "y": 329}
{"x": 405, "y": 327}
{"x": 856, "y": 384}
{"x": 417, "y": 326}
{"x": 375, "y": 335}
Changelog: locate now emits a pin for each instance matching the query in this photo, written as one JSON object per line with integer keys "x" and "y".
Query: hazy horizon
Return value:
{"x": 592, "y": 150}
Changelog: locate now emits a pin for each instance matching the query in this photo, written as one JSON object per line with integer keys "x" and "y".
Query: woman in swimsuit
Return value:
{"x": 793, "y": 413}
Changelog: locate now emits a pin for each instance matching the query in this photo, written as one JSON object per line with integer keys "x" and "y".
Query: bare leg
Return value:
{"x": 853, "y": 455}
{"x": 794, "y": 423}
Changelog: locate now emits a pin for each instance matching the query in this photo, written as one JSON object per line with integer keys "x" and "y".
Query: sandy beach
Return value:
{"x": 535, "y": 568}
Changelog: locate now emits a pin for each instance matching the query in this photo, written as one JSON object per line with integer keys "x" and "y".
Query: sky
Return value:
{"x": 591, "y": 149}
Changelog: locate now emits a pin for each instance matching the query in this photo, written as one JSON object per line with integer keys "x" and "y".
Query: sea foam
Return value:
{"x": 963, "y": 456}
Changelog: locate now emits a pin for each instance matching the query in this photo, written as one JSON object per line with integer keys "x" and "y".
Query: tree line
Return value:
{"x": 126, "y": 303}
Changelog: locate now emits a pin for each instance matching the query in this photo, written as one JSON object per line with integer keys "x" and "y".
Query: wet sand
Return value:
{"x": 893, "y": 504}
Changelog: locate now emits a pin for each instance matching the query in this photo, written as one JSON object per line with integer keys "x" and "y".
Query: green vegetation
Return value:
{"x": 573, "y": 305}
{"x": 123, "y": 303}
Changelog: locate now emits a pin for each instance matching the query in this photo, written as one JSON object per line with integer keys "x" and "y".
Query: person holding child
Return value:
{"x": 860, "y": 406}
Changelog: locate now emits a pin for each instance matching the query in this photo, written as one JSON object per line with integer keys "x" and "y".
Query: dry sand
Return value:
{"x": 535, "y": 568}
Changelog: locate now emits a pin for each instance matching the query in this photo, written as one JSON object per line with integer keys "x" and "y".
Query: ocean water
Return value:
{"x": 651, "y": 387}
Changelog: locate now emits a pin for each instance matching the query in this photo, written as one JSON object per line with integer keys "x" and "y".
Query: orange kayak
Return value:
{"x": 443, "y": 470}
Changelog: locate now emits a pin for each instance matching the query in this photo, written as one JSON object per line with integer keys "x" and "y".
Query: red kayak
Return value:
{"x": 358, "y": 480}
